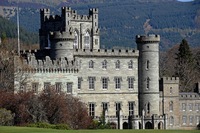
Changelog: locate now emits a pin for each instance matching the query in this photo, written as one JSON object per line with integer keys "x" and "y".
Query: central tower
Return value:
{"x": 148, "y": 47}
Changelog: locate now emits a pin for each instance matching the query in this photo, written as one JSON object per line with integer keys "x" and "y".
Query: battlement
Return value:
{"x": 148, "y": 39}
{"x": 93, "y": 11}
{"x": 62, "y": 65}
{"x": 59, "y": 35}
{"x": 170, "y": 80}
{"x": 106, "y": 52}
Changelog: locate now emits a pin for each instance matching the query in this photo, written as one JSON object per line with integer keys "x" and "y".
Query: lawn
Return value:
{"x": 4, "y": 129}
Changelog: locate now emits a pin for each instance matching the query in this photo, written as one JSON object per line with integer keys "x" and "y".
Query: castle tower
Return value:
{"x": 148, "y": 47}
{"x": 95, "y": 30}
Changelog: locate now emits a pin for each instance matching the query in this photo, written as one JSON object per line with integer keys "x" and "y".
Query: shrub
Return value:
{"x": 6, "y": 117}
{"x": 41, "y": 125}
{"x": 61, "y": 126}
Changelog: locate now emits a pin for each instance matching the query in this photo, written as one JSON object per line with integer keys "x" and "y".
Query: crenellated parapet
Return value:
{"x": 106, "y": 52}
{"x": 148, "y": 39}
{"x": 170, "y": 80}
{"x": 58, "y": 35}
{"x": 62, "y": 65}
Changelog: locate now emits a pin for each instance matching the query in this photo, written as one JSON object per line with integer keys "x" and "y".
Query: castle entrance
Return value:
{"x": 148, "y": 125}
{"x": 125, "y": 125}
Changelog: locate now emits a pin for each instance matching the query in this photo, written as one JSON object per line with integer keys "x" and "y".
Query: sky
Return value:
{"x": 185, "y": 0}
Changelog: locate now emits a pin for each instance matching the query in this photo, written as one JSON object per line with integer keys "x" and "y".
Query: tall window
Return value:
{"x": 69, "y": 87}
{"x": 35, "y": 87}
{"x": 130, "y": 64}
{"x": 75, "y": 40}
{"x": 91, "y": 64}
{"x": 170, "y": 106}
{"x": 171, "y": 120}
{"x": 148, "y": 83}
{"x": 104, "y": 64}
{"x": 197, "y": 106}
{"x": 79, "y": 82}
{"x": 148, "y": 108}
{"x": 87, "y": 41}
{"x": 105, "y": 82}
{"x": 91, "y": 82}
{"x": 170, "y": 90}
{"x": 184, "y": 120}
{"x": 118, "y": 82}
{"x": 92, "y": 109}
{"x": 46, "y": 86}
{"x": 147, "y": 67}
{"x": 105, "y": 106}
{"x": 197, "y": 120}
{"x": 58, "y": 87}
{"x": 191, "y": 119}
{"x": 117, "y": 64}
{"x": 131, "y": 108}
{"x": 190, "y": 106}
{"x": 130, "y": 82}
{"x": 183, "y": 106}
{"x": 118, "y": 108}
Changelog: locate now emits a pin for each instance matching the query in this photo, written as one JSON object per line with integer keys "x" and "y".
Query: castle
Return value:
{"x": 121, "y": 84}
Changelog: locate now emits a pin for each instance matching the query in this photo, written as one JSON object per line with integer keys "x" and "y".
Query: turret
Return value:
{"x": 66, "y": 18}
{"x": 148, "y": 47}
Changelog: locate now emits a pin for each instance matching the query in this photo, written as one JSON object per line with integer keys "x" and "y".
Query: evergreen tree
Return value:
{"x": 185, "y": 67}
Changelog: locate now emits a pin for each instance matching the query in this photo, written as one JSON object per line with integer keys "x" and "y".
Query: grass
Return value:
{"x": 4, "y": 129}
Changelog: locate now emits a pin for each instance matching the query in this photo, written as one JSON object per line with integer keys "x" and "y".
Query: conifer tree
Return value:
{"x": 185, "y": 67}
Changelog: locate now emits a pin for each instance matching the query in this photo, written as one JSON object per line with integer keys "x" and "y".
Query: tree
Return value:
{"x": 185, "y": 67}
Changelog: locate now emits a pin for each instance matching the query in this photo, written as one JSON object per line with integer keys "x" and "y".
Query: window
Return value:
{"x": 92, "y": 109}
{"x": 148, "y": 108}
{"x": 75, "y": 40}
{"x": 130, "y": 64}
{"x": 80, "y": 79}
{"x": 96, "y": 42}
{"x": 87, "y": 40}
{"x": 183, "y": 107}
{"x": 69, "y": 87}
{"x": 191, "y": 119}
{"x": 58, "y": 87}
{"x": 117, "y": 64}
{"x": 118, "y": 82}
{"x": 171, "y": 106}
{"x": 184, "y": 119}
{"x": 91, "y": 82}
{"x": 171, "y": 120}
{"x": 91, "y": 64}
{"x": 118, "y": 108}
{"x": 148, "y": 83}
{"x": 104, "y": 64}
{"x": 131, "y": 108}
{"x": 197, "y": 120}
{"x": 190, "y": 106}
{"x": 197, "y": 106}
{"x": 22, "y": 87}
{"x": 147, "y": 67}
{"x": 35, "y": 87}
{"x": 130, "y": 82}
{"x": 170, "y": 91}
{"x": 46, "y": 86}
{"x": 105, "y": 106}
{"x": 105, "y": 83}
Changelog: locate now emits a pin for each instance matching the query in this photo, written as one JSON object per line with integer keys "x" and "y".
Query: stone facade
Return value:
{"x": 122, "y": 84}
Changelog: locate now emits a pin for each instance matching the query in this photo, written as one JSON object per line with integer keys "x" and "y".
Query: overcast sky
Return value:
{"x": 185, "y": 0}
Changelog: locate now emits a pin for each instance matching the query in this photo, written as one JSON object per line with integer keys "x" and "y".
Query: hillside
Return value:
{"x": 120, "y": 21}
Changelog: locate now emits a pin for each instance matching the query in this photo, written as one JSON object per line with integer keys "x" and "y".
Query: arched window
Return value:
{"x": 91, "y": 64}
{"x": 75, "y": 40}
{"x": 170, "y": 106}
{"x": 104, "y": 64}
{"x": 87, "y": 41}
